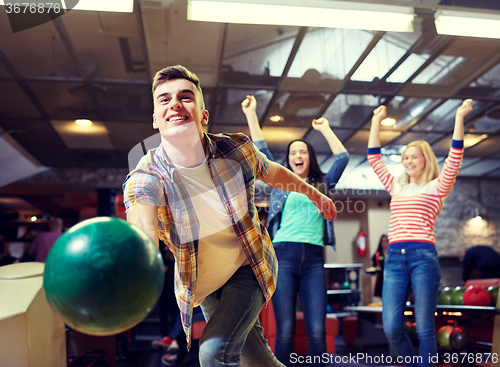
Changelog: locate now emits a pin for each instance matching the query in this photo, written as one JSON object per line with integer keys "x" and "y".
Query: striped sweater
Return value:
{"x": 415, "y": 208}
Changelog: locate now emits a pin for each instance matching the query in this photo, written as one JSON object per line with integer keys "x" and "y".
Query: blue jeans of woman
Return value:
{"x": 418, "y": 268}
{"x": 233, "y": 335}
{"x": 300, "y": 271}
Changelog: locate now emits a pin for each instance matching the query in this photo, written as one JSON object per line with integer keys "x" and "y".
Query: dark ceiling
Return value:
{"x": 99, "y": 65}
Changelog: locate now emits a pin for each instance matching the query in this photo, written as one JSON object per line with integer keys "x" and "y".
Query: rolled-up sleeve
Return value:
{"x": 143, "y": 188}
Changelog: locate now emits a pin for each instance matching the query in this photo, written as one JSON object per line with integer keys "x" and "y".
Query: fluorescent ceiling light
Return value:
{"x": 122, "y": 6}
{"x": 471, "y": 24}
{"x": 313, "y": 13}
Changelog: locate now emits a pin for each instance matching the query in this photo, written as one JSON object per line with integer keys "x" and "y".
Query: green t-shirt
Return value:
{"x": 300, "y": 221}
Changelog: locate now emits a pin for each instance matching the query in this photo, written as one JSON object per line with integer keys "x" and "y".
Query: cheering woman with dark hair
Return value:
{"x": 299, "y": 235}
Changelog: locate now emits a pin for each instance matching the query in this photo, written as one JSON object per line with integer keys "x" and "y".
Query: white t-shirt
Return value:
{"x": 220, "y": 252}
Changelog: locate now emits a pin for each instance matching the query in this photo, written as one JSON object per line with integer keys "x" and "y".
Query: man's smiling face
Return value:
{"x": 176, "y": 107}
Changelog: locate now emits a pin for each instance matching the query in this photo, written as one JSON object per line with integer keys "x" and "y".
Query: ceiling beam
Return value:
{"x": 71, "y": 49}
{"x": 443, "y": 43}
{"x": 218, "y": 72}
{"x": 142, "y": 38}
{"x": 296, "y": 45}
{"x": 15, "y": 75}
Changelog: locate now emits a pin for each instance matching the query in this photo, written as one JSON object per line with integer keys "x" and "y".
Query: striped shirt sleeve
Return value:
{"x": 451, "y": 166}
{"x": 378, "y": 165}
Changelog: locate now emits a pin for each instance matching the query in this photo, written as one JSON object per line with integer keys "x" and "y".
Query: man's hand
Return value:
{"x": 325, "y": 205}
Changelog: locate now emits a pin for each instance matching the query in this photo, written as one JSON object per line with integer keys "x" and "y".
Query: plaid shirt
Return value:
{"x": 229, "y": 157}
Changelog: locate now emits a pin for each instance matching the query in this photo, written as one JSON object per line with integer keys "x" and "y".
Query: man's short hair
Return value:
{"x": 178, "y": 72}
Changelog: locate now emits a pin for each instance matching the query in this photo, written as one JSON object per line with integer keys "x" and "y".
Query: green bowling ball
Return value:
{"x": 345, "y": 285}
{"x": 443, "y": 336}
{"x": 457, "y": 296}
{"x": 493, "y": 291}
{"x": 445, "y": 296}
{"x": 103, "y": 276}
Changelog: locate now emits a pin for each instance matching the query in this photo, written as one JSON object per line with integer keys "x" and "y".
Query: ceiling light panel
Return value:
{"x": 314, "y": 13}
{"x": 470, "y": 23}
{"x": 122, "y": 6}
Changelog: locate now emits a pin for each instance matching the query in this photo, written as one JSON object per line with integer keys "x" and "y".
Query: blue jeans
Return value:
{"x": 418, "y": 268}
{"x": 300, "y": 271}
{"x": 233, "y": 330}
